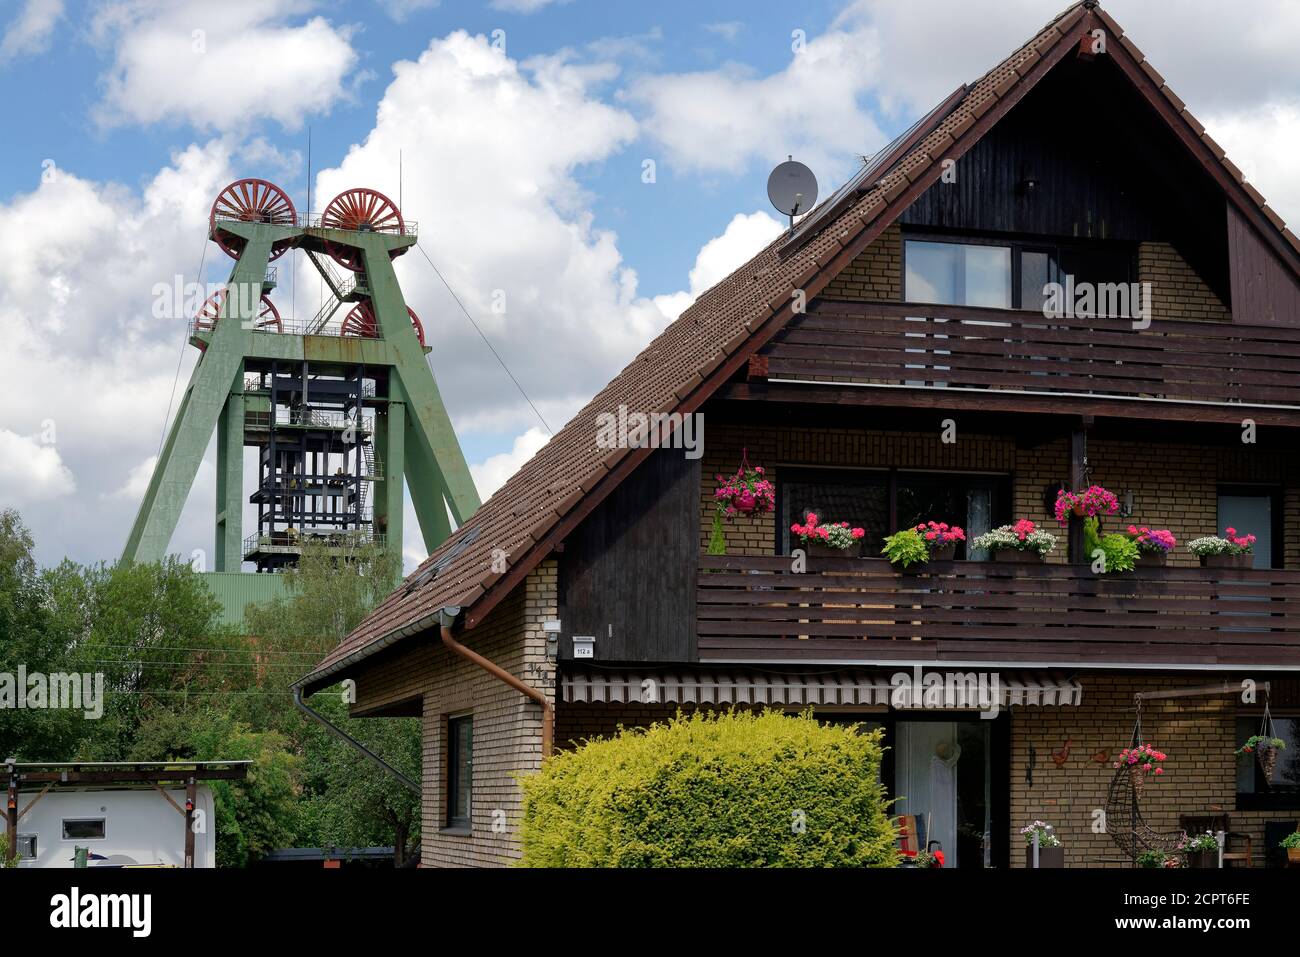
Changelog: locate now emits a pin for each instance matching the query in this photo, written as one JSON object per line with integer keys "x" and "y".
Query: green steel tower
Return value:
{"x": 338, "y": 409}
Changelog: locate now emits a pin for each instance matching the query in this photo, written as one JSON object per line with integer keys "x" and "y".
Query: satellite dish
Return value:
{"x": 792, "y": 188}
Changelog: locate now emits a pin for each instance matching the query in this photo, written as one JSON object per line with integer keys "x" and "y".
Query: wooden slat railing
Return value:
{"x": 846, "y": 609}
{"x": 929, "y": 345}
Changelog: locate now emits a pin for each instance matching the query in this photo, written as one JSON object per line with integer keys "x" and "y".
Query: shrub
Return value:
{"x": 906, "y": 548}
{"x": 729, "y": 790}
{"x": 1120, "y": 552}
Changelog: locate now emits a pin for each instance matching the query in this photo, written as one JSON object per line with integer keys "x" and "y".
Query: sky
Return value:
{"x": 593, "y": 165}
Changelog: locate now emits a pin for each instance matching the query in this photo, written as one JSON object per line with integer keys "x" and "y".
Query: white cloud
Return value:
{"x": 78, "y": 263}
{"x": 744, "y": 236}
{"x": 1264, "y": 143}
{"x": 491, "y": 474}
{"x": 728, "y": 29}
{"x": 720, "y": 120}
{"x": 220, "y": 66}
{"x": 137, "y": 482}
{"x": 31, "y": 471}
{"x": 490, "y": 176}
{"x": 30, "y": 31}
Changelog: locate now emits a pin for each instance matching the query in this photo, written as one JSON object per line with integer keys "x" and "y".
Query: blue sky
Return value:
{"x": 522, "y": 161}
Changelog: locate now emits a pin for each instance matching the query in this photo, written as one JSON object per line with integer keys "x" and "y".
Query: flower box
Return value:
{"x": 1019, "y": 556}
{"x": 943, "y": 553}
{"x": 1203, "y": 860}
{"x": 1053, "y": 857}
{"x": 1225, "y": 560}
{"x": 820, "y": 550}
{"x": 1152, "y": 559}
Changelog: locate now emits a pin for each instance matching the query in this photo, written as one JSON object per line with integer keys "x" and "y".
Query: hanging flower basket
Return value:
{"x": 1265, "y": 748}
{"x": 746, "y": 492}
{"x": 1092, "y": 502}
{"x": 1141, "y": 760}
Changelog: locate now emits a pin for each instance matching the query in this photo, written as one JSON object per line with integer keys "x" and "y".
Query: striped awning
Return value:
{"x": 863, "y": 689}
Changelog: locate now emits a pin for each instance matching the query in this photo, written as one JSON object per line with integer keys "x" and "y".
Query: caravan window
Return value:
{"x": 83, "y": 828}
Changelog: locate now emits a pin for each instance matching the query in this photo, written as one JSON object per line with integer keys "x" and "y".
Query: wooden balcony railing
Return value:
{"x": 855, "y": 609}
{"x": 906, "y": 344}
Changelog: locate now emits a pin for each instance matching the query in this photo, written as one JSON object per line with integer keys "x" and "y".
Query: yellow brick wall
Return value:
{"x": 877, "y": 272}
{"x": 1198, "y": 734}
{"x": 1177, "y": 292}
{"x": 1174, "y": 486}
{"x": 507, "y": 726}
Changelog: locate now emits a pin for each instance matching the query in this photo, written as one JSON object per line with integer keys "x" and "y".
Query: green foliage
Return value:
{"x": 1291, "y": 841}
{"x": 1120, "y": 552}
{"x": 729, "y": 790}
{"x": 905, "y": 548}
{"x": 254, "y": 815}
{"x": 717, "y": 536}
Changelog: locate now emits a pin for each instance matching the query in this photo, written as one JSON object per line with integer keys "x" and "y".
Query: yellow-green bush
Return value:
{"x": 729, "y": 790}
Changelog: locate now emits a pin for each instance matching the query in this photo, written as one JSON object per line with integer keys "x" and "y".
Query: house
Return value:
{"x": 892, "y": 359}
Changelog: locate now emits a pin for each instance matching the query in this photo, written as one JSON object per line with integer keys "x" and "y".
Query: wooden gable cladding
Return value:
{"x": 1264, "y": 290}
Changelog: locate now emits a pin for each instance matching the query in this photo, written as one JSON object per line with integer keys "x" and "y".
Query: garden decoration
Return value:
{"x": 1125, "y": 824}
{"x": 1092, "y": 502}
{"x": 1264, "y": 745}
{"x": 745, "y": 492}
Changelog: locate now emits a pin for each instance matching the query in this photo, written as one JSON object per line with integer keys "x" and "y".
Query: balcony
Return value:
{"x": 1019, "y": 360}
{"x": 854, "y": 610}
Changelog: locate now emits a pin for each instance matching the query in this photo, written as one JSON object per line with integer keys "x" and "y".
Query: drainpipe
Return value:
{"x": 446, "y": 618}
{"x": 348, "y": 739}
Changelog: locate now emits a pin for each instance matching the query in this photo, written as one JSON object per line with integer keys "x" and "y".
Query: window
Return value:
{"x": 958, "y": 274}
{"x": 83, "y": 829}
{"x": 880, "y": 502}
{"x": 26, "y": 846}
{"x": 1006, "y": 275}
{"x": 460, "y": 770}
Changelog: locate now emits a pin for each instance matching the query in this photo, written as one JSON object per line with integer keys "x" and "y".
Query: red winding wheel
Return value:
{"x": 268, "y": 318}
{"x": 251, "y": 201}
{"x": 360, "y": 210}
{"x": 361, "y": 322}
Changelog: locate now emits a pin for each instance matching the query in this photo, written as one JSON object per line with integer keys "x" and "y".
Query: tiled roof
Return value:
{"x": 695, "y": 354}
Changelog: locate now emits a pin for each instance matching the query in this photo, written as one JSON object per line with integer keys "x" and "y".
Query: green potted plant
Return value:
{"x": 1265, "y": 749}
{"x": 1291, "y": 844}
{"x": 1231, "y": 551}
{"x": 1119, "y": 552}
{"x": 1202, "y": 851}
{"x": 1050, "y": 851}
{"x": 1021, "y": 542}
{"x": 828, "y": 539}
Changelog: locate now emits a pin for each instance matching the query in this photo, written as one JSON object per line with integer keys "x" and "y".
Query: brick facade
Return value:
{"x": 1177, "y": 292}
{"x": 507, "y": 727}
{"x": 1174, "y": 486}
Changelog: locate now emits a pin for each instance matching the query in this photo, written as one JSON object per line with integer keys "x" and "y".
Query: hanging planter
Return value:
{"x": 1092, "y": 502}
{"x": 1265, "y": 745}
{"x": 745, "y": 492}
{"x": 1141, "y": 760}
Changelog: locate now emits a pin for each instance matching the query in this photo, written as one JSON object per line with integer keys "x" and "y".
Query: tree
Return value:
{"x": 347, "y": 801}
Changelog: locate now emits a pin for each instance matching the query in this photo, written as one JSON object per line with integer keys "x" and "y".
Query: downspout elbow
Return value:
{"x": 446, "y": 618}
